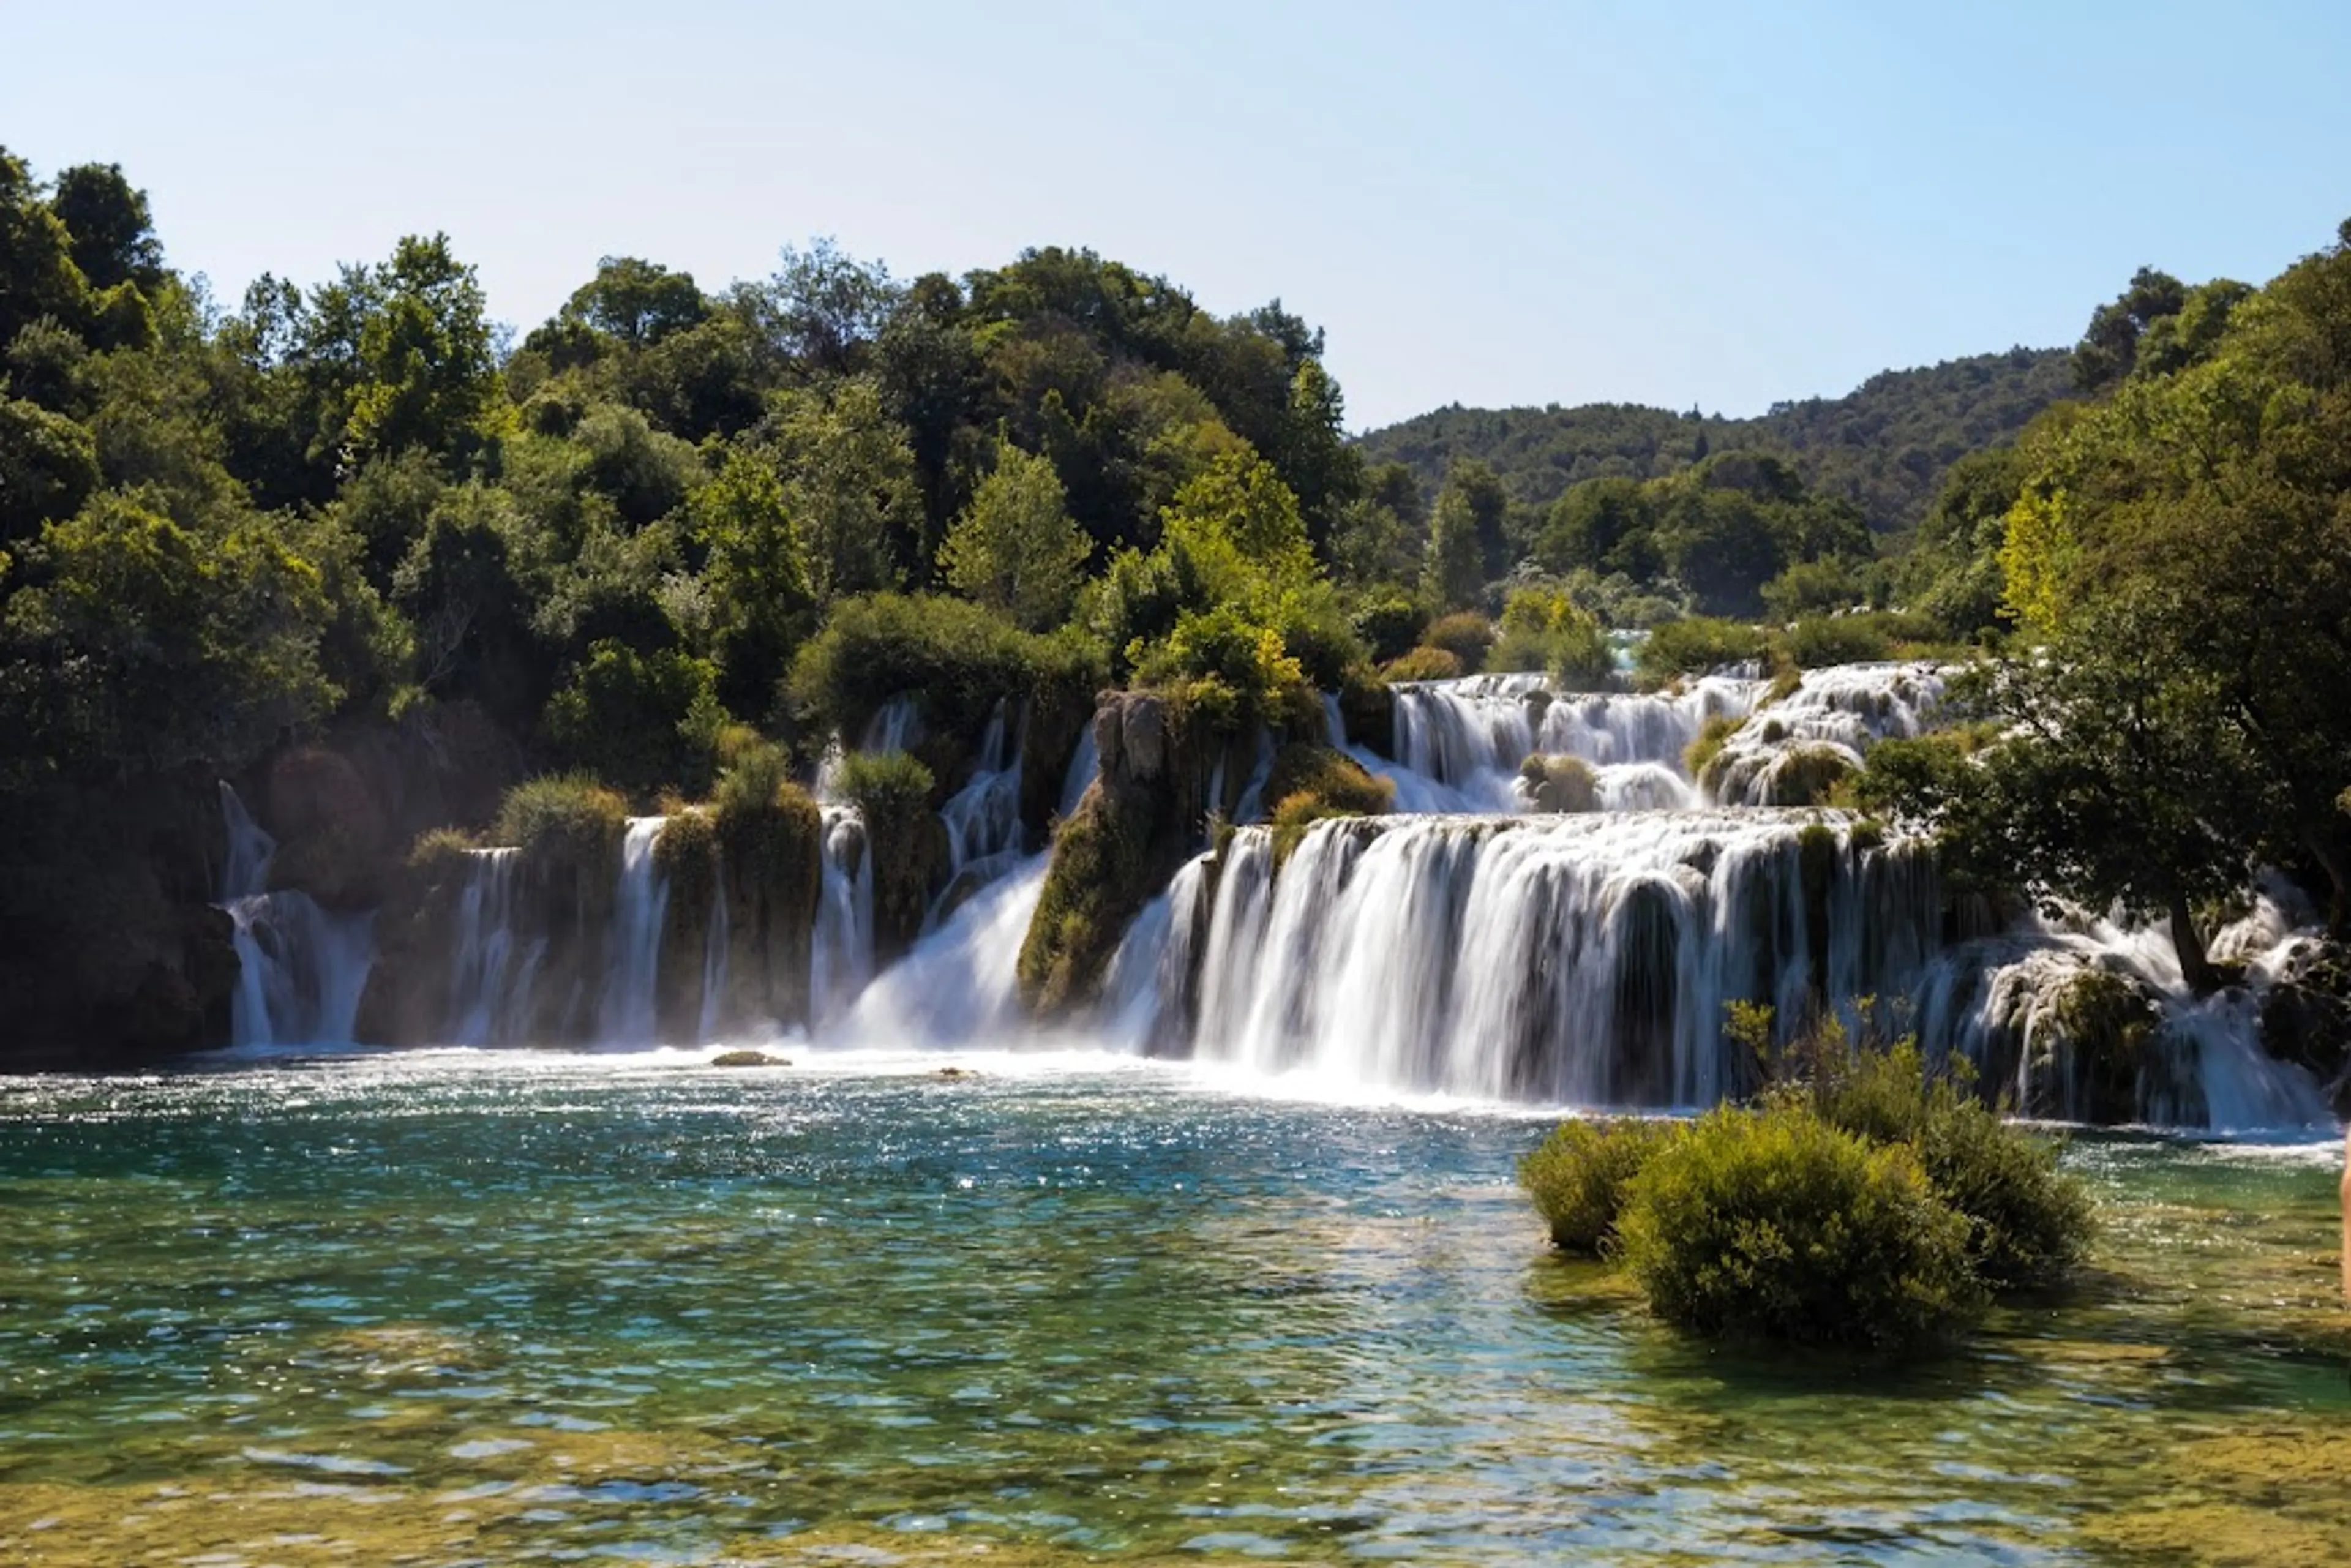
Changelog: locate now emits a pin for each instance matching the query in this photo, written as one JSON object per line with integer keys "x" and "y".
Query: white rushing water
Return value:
{"x": 639, "y": 904}
{"x": 300, "y": 968}
{"x": 1563, "y": 959}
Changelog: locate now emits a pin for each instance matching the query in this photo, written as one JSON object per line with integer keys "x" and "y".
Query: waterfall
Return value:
{"x": 983, "y": 818}
{"x": 1085, "y": 767}
{"x": 639, "y": 904}
{"x": 841, "y": 955}
{"x": 1146, "y": 998}
{"x": 714, "y": 959}
{"x": 1470, "y": 735}
{"x": 300, "y": 968}
{"x": 1840, "y": 712}
{"x": 494, "y": 961}
{"x": 1578, "y": 958}
{"x": 960, "y": 985}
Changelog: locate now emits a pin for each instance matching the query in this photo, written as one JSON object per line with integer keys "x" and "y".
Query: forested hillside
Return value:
{"x": 1884, "y": 446}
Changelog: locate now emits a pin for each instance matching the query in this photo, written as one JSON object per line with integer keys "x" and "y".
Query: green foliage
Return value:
{"x": 1097, "y": 878}
{"x": 1696, "y": 645}
{"x": 1543, "y": 629}
{"x": 1464, "y": 539}
{"x": 954, "y": 658}
{"x": 1466, "y": 634}
{"x": 1775, "y": 1224}
{"x": 1389, "y": 624}
{"x": 1016, "y": 549}
{"x": 570, "y": 817}
{"x": 49, "y": 466}
{"x": 632, "y": 717}
{"x": 1308, "y": 783}
{"x": 1577, "y": 1177}
{"x": 1883, "y": 447}
{"x": 1424, "y": 663}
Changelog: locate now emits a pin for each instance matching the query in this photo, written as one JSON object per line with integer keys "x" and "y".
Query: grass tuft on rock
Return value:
{"x": 569, "y": 814}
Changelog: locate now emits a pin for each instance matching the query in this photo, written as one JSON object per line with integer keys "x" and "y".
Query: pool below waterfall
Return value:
{"x": 451, "y": 1307}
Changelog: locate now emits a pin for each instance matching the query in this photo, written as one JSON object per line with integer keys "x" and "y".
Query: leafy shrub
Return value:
{"x": 1464, "y": 634}
{"x": 1775, "y": 1224}
{"x": 1310, "y": 783}
{"x": 687, "y": 855}
{"x": 1577, "y": 1177}
{"x": 1543, "y": 629}
{"x": 1424, "y": 665}
{"x": 1560, "y": 783}
{"x": 569, "y": 814}
{"x": 1837, "y": 640}
{"x": 1223, "y": 645}
{"x": 1318, "y": 636}
{"x": 639, "y": 719}
{"x": 2027, "y": 1222}
{"x": 1695, "y": 645}
{"x": 436, "y": 849}
{"x": 1390, "y": 624}
{"x": 954, "y": 658}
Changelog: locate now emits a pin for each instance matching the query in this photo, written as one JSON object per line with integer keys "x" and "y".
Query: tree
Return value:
{"x": 2109, "y": 347}
{"x": 849, "y": 485}
{"x": 113, "y": 236}
{"x": 2116, "y": 778}
{"x": 1016, "y": 549}
{"x": 1468, "y": 508}
{"x": 637, "y": 301}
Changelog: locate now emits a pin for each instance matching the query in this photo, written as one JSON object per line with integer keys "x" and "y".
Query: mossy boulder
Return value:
{"x": 1136, "y": 825}
{"x": 1424, "y": 665}
{"x": 408, "y": 999}
{"x": 2306, "y": 1015}
{"x": 1308, "y": 783}
{"x": 1367, "y": 708}
{"x": 1559, "y": 785}
{"x": 2091, "y": 1060}
{"x": 896, "y": 795}
{"x": 768, "y": 838}
{"x": 686, "y": 857}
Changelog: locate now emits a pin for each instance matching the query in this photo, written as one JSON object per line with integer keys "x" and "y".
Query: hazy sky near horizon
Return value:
{"x": 1709, "y": 203}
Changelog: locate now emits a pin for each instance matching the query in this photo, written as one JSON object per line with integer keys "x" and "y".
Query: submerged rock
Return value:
{"x": 749, "y": 1059}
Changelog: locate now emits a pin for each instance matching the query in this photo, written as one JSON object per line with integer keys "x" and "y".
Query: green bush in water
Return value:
{"x": 1577, "y": 1177}
{"x": 1559, "y": 784}
{"x": 1308, "y": 783}
{"x": 1774, "y": 1224}
{"x": 565, "y": 813}
{"x": 2028, "y": 1222}
{"x": 1695, "y": 645}
{"x": 1824, "y": 639}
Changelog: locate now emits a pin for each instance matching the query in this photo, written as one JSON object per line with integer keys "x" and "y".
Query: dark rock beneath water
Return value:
{"x": 2306, "y": 1015}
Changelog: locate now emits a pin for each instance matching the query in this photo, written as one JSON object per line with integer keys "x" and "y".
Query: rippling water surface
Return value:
{"x": 444, "y": 1308}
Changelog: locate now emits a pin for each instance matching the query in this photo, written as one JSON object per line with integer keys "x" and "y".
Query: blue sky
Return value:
{"x": 1717, "y": 204}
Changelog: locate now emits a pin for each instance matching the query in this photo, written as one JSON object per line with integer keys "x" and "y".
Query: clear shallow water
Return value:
{"x": 465, "y": 1307}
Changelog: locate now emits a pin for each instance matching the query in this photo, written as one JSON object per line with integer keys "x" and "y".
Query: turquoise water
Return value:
{"x": 477, "y": 1307}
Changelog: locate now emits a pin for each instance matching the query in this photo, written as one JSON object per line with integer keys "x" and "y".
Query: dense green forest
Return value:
{"x": 675, "y": 523}
{"x": 1884, "y": 446}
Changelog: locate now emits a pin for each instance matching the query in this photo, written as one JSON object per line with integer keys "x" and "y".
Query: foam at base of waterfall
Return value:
{"x": 301, "y": 969}
{"x": 960, "y": 985}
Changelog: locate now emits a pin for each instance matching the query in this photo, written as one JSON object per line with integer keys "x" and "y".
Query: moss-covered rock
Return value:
{"x": 2091, "y": 1059}
{"x": 769, "y": 837}
{"x": 1424, "y": 665}
{"x": 1308, "y": 783}
{"x": 894, "y": 794}
{"x": 1558, "y": 784}
{"x": 408, "y": 999}
{"x": 1367, "y": 708}
{"x": 687, "y": 856}
{"x": 2306, "y": 1015}
{"x": 1135, "y": 827}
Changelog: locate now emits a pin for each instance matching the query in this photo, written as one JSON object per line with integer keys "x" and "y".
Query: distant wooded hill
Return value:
{"x": 1884, "y": 446}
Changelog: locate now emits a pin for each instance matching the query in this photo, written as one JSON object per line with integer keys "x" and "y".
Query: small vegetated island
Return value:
{"x": 1033, "y": 656}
